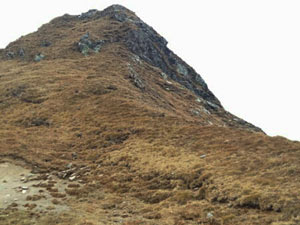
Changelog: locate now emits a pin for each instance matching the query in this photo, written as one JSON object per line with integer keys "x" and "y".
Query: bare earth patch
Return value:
{"x": 21, "y": 189}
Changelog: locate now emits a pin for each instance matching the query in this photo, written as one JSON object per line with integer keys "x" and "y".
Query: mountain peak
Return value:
{"x": 117, "y": 12}
{"x": 119, "y": 129}
{"x": 94, "y": 32}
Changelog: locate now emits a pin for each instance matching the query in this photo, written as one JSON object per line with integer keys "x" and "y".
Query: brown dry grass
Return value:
{"x": 139, "y": 153}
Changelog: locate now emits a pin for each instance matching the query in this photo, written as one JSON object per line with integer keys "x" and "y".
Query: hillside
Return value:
{"x": 112, "y": 127}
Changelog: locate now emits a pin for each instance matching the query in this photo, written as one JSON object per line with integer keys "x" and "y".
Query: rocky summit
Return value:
{"x": 101, "y": 123}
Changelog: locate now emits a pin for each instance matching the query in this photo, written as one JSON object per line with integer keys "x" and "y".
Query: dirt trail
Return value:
{"x": 21, "y": 189}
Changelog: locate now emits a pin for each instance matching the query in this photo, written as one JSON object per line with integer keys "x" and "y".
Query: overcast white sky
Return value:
{"x": 248, "y": 52}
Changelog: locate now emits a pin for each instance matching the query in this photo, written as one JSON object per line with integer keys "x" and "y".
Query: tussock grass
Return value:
{"x": 141, "y": 156}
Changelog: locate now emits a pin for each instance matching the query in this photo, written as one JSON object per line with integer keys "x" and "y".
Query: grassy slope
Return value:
{"x": 144, "y": 148}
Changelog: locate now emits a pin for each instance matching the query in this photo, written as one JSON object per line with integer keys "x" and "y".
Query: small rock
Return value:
{"x": 74, "y": 155}
{"x": 195, "y": 112}
{"x": 212, "y": 105}
{"x": 83, "y": 48}
{"x": 202, "y": 156}
{"x": 39, "y": 57}
{"x": 165, "y": 76}
{"x": 24, "y": 191}
{"x": 72, "y": 178}
{"x": 97, "y": 48}
{"x": 85, "y": 44}
{"x": 119, "y": 16}
{"x": 182, "y": 69}
{"x": 21, "y": 52}
{"x": 69, "y": 166}
{"x": 198, "y": 100}
{"x": 10, "y": 55}
{"x": 46, "y": 43}
{"x": 24, "y": 188}
{"x": 136, "y": 59}
{"x": 134, "y": 76}
{"x": 209, "y": 215}
{"x": 88, "y": 14}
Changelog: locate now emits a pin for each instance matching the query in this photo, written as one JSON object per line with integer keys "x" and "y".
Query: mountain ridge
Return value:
{"x": 115, "y": 132}
{"x": 139, "y": 38}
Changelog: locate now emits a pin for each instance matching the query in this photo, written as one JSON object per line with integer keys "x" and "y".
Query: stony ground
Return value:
{"x": 96, "y": 133}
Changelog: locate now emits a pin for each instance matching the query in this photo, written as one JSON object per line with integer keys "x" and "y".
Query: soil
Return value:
{"x": 22, "y": 189}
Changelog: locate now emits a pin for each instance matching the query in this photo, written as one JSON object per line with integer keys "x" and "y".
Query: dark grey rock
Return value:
{"x": 212, "y": 105}
{"x": 39, "y": 57}
{"x": 21, "y": 53}
{"x": 181, "y": 69}
{"x": 91, "y": 13}
{"x": 120, "y": 16}
{"x": 83, "y": 48}
{"x": 116, "y": 12}
{"x": 46, "y": 43}
{"x": 87, "y": 45}
{"x": 135, "y": 78}
{"x": 74, "y": 155}
{"x": 96, "y": 47}
{"x": 200, "y": 80}
{"x": 85, "y": 37}
{"x": 146, "y": 43}
{"x": 10, "y": 55}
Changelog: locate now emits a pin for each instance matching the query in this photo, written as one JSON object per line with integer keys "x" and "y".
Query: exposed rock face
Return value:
{"x": 118, "y": 28}
{"x": 141, "y": 39}
{"x": 135, "y": 79}
{"x": 145, "y": 42}
{"x": 86, "y": 45}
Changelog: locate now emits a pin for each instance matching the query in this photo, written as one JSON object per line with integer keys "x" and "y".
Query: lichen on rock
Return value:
{"x": 86, "y": 45}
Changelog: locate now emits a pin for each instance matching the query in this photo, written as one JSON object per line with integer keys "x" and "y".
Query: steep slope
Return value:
{"x": 118, "y": 31}
{"x": 99, "y": 99}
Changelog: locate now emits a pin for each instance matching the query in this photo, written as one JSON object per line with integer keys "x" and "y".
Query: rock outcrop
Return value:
{"x": 145, "y": 42}
{"x": 87, "y": 45}
{"x": 89, "y": 33}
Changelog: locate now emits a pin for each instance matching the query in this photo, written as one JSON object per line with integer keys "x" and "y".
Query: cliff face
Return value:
{"x": 100, "y": 100}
